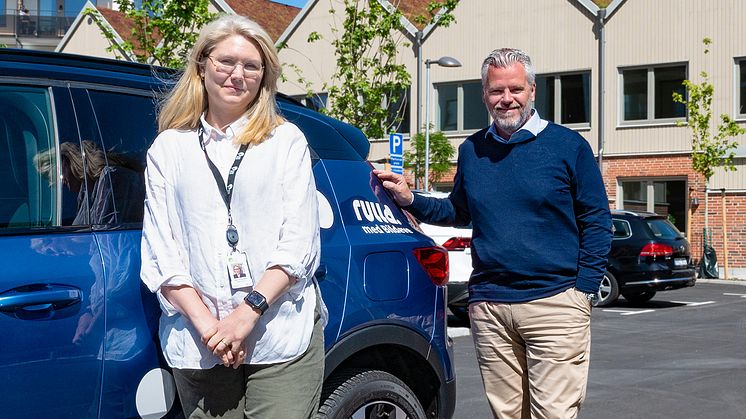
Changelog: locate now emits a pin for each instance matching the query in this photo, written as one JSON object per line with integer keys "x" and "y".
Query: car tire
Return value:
{"x": 608, "y": 291}
{"x": 639, "y": 297}
{"x": 368, "y": 393}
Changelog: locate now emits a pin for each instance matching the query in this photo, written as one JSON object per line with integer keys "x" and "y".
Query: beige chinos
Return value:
{"x": 534, "y": 356}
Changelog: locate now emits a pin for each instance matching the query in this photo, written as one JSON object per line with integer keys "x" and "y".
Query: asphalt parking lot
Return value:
{"x": 681, "y": 355}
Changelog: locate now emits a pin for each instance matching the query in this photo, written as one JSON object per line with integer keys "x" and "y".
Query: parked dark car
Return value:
{"x": 79, "y": 328}
{"x": 648, "y": 254}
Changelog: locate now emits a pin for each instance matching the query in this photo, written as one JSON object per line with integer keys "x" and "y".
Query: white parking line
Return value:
{"x": 694, "y": 304}
{"x": 737, "y": 295}
{"x": 628, "y": 312}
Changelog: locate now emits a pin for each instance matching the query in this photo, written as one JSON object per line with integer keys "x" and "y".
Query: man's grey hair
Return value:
{"x": 504, "y": 58}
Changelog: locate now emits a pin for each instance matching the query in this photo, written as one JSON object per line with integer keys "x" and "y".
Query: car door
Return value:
{"x": 135, "y": 383}
{"x": 51, "y": 346}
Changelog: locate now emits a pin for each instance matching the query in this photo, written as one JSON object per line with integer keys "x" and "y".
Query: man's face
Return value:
{"x": 509, "y": 97}
{"x": 237, "y": 270}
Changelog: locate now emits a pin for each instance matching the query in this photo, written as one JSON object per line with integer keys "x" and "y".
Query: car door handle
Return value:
{"x": 39, "y": 298}
{"x": 320, "y": 272}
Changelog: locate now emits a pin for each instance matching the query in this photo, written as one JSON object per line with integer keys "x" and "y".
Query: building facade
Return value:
{"x": 617, "y": 93}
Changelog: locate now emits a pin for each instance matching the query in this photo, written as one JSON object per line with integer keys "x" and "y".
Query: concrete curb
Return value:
{"x": 721, "y": 281}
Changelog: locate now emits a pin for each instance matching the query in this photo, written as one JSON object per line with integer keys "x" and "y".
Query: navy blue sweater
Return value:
{"x": 540, "y": 215}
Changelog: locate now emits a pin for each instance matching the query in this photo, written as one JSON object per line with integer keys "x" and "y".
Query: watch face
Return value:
{"x": 256, "y": 300}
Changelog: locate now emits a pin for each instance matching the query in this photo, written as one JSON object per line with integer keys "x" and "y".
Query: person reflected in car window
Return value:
{"x": 114, "y": 186}
{"x": 229, "y": 181}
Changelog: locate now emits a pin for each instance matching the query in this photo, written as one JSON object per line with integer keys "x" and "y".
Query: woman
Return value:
{"x": 228, "y": 183}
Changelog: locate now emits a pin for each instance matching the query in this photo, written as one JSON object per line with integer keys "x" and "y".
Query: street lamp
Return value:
{"x": 443, "y": 62}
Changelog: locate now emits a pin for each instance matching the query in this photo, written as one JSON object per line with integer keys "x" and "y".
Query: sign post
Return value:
{"x": 396, "y": 153}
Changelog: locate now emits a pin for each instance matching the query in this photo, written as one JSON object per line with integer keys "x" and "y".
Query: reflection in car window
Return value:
{"x": 118, "y": 195}
{"x": 663, "y": 229}
{"x": 93, "y": 181}
{"x": 26, "y": 199}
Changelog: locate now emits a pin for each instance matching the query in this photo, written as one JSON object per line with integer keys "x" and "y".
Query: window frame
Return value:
{"x": 737, "y": 63}
{"x": 557, "y": 117}
{"x": 436, "y": 121}
{"x": 651, "y": 120}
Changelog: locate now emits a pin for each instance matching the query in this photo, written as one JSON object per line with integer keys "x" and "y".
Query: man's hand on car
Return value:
{"x": 397, "y": 185}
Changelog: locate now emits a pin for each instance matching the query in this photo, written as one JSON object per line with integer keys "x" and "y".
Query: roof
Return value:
{"x": 411, "y": 9}
{"x": 273, "y": 17}
{"x": 123, "y": 26}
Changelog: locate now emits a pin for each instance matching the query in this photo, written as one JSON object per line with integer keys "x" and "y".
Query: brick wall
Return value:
{"x": 619, "y": 168}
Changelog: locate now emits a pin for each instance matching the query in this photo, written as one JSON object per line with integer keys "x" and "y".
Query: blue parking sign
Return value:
{"x": 396, "y": 144}
{"x": 396, "y": 152}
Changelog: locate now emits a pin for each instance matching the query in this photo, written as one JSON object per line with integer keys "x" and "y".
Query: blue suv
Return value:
{"x": 79, "y": 328}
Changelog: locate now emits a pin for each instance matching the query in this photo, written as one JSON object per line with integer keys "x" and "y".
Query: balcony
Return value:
{"x": 44, "y": 24}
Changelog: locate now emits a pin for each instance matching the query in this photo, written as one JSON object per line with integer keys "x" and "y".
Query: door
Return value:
{"x": 51, "y": 345}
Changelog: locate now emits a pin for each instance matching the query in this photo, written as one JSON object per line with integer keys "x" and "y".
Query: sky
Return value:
{"x": 296, "y": 3}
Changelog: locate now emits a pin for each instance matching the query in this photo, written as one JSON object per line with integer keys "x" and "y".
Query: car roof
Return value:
{"x": 634, "y": 214}
{"x": 46, "y": 65}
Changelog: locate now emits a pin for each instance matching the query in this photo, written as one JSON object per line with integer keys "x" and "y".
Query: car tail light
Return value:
{"x": 457, "y": 243}
{"x": 435, "y": 262}
{"x": 656, "y": 249}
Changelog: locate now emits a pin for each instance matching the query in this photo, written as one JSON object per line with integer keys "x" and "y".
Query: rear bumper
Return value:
{"x": 658, "y": 281}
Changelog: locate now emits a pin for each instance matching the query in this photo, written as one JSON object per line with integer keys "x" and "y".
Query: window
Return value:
{"x": 28, "y": 159}
{"x": 621, "y": 229}
{"x": 741, "y": 89}
{"x": 315, "y": 101}
{"x": 664, "y": 197}
{"x": 115, "y": 150}
{"x": 399, "y": 108}
{"x": 460, "y": 107}
{"x": 564, "y": 98}
{"x": 647, "y": 94}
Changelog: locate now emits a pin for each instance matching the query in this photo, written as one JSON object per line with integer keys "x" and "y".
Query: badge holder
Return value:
{"x": 239, "y": 271}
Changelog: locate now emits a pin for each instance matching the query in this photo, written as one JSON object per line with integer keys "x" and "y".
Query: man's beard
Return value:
{"x": 513, "y": 124}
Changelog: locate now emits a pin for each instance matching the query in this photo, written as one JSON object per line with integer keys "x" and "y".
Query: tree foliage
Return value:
{"x": 712, "y": 146}
{"x": 441, "y": 152}
{"x": 369, "y": 88}
{"x": 163, "y": 31}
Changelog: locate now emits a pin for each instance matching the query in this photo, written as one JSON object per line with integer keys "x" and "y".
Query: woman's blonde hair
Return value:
{"x": 184, "y": 105}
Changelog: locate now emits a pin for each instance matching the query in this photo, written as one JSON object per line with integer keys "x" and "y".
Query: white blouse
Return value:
{"x": 274, "y": 209}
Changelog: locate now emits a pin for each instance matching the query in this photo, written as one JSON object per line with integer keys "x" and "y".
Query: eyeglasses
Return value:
{"x": 228, "y": 66}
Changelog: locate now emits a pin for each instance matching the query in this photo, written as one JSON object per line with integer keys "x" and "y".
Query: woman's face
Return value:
{"x": 230, "y": 92}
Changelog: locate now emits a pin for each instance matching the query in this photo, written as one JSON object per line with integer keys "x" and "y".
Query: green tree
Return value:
{"x": 712, "y": 145}
{"x": 369, "y": 86}
{"x": 163, "y": 31}
{"x": 441, "y": 152}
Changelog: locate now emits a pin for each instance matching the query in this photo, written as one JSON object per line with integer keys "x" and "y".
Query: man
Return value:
{"x": 541, "y": 235}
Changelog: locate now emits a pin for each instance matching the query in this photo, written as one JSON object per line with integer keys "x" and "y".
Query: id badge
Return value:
{"x": 238, "y": 270}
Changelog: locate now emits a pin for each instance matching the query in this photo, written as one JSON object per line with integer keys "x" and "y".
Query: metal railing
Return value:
{"x": 41, "y": 25}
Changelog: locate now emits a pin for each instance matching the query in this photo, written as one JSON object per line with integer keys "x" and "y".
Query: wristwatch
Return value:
{"x": 257, "y": 301}
{"x": 592, "y": 297}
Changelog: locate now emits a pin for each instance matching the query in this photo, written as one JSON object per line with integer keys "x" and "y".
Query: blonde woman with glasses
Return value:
{"x": 229, "y": 186}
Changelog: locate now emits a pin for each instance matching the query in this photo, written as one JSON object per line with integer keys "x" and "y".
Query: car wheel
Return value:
{"x": 357, "y": 393}
{"x": 608, "y": 291}
{"x": 639, "y": 297}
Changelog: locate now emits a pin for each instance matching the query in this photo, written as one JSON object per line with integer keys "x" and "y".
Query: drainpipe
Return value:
{"x": 601, "y": 80}
{"x": 418, "y": 41}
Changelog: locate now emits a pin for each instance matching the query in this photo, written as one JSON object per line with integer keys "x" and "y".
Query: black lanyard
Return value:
{"x": 226, "y": 188}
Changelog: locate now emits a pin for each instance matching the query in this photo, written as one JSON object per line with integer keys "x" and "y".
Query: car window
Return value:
{"x": 621, "y": 229}
{"x": 27, "y": 195}
{"x": 662, "y": 228}
{"x": 115, "y": 148}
